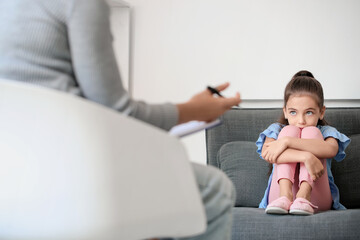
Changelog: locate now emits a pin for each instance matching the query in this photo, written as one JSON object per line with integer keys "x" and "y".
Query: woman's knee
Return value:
{"x": 223, "y": 184}
{"x": 311, "y": 133}
{"x": 212, "y": 181}
{"x": 290, "y": 131}
{"x": 216, "y": 189}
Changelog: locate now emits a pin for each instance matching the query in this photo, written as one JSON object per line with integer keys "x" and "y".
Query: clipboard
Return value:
{"x": 191, "y": 127}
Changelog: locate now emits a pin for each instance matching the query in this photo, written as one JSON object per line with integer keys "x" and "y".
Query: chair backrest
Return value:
{"x": 72, "y": 169}
{"x": 231, "y": 147}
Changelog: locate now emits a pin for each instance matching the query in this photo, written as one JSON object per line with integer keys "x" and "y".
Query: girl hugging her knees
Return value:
{"x": 300, "y": 148}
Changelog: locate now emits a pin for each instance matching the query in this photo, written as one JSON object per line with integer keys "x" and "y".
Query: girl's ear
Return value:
{"x": 322, "y": 112}
{"x": 284, "y": 111}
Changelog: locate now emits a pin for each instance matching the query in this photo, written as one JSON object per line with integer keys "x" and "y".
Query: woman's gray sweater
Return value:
{"x": 67, "y": 45}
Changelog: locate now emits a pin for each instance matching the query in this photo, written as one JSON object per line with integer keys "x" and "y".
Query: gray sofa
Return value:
{"x": 231, "y": 147}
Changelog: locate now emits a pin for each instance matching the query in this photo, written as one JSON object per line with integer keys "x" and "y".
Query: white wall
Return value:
{"x": 180, "y": 46}
{"x": 120, "y": 27}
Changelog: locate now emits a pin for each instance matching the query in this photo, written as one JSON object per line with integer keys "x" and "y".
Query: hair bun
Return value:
{"x": 304, "y": 73}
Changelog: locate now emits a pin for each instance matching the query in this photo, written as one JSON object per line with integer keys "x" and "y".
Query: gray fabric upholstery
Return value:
{"x": 238, "y": 125}
{"x": 253, "y": 223}
{"x": 231, "y": 147}
{"x": 347, "y": 174}
{"x": 237, "y": 160}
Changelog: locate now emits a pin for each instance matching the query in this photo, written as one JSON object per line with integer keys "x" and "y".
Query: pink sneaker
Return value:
{"x": 301, "y": 206}
{"x": 279, "y": 206}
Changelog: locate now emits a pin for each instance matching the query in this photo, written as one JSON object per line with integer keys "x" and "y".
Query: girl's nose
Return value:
{"x": 301, "y": 120}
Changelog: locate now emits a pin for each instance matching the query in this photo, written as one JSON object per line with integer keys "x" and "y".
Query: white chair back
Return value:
{"x": 72, "y": 169}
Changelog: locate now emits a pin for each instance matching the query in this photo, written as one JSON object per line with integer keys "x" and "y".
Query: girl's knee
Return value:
{"x": 290, "y": 131}
{"x": 311, "y": 133}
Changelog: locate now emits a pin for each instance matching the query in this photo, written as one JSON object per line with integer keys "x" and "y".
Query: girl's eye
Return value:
{"x": 292, "y": 113}
{"x": 309, "y": 113}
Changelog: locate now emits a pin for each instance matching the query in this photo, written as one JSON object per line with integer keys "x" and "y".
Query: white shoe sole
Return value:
{"x": 300, "y": 212}
{"x": 275, "y": 210}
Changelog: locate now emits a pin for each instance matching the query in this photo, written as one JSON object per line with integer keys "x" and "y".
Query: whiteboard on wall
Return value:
{"x": 257, "y": 45}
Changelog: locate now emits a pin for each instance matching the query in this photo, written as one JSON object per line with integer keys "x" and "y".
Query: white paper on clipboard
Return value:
{"x": 191, "y": 127}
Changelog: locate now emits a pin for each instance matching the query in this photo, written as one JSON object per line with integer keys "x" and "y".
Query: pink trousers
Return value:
{"x": 297, "y": 173}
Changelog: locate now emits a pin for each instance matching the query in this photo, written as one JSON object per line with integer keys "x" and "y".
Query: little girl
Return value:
{"x": 300, "y": 148}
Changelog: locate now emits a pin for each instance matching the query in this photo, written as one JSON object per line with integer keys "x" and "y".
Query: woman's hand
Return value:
{"x": 272, "y": 149}
{"x": 206, "y": 107}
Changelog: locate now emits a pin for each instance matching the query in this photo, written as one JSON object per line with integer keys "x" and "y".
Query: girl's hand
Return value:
{"x": 313, "y": 166}
{"x": 272, "y": 150}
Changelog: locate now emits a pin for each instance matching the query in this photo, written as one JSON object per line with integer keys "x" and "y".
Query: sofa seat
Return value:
{"x": 254, "y": 223}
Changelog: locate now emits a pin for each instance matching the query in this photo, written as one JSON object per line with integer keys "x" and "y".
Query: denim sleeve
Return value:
{"x": 271, "y": 132}
{"x": 343, "y": 140}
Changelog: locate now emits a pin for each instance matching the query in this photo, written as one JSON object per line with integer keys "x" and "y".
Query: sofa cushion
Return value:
{"x": 253, "y": 223}
{"x": 247, "y": 171}
{"x": 347, "y": 174}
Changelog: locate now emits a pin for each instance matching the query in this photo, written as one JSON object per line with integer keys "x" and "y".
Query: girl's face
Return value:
{"x": 303, "y": 111}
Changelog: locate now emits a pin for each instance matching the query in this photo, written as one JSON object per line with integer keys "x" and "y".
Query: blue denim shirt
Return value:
{"x": 327, "y": 131}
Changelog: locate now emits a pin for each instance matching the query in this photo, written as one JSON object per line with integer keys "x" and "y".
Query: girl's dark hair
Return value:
{"x": 304, "y": 82}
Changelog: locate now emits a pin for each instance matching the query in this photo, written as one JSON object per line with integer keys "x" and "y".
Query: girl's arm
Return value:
{"x": 327, "y": 148}
{"x": 288, "y": 155}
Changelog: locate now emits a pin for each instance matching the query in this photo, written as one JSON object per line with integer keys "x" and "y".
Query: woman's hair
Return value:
{"x": 303, "y": 82}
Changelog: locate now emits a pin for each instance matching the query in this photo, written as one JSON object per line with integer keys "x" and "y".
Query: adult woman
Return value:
{"x": 67, "y": 45}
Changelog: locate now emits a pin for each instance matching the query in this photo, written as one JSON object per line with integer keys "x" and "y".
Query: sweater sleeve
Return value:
{"x": 95, "y": 66}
